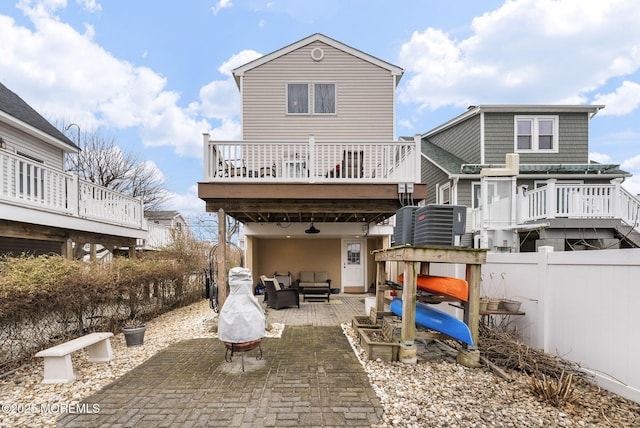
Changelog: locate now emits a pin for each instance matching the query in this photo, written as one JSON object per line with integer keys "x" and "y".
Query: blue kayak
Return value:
{"x": 435, "y": 319}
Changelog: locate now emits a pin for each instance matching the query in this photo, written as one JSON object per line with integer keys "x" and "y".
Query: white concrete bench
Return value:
{"x": 57, "y": 359}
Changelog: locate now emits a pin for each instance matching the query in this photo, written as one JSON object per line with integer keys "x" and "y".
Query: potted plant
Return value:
{"x": 131, "y": 278}
{"x": 134, "y": 333}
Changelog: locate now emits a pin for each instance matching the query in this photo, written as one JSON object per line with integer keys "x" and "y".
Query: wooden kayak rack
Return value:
{"x": 412, "y": 257}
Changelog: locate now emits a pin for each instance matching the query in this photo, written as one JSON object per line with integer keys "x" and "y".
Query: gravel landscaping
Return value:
{"x": 434, "y": 392}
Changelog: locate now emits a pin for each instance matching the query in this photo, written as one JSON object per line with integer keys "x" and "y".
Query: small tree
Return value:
{"x": 205, "y": 227}
{"x": 103, "y": 162}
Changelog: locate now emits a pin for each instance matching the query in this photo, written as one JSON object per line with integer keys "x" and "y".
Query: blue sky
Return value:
{"x": 155, "y": 75}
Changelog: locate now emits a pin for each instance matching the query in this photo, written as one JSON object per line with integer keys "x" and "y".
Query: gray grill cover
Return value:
{"x": 242, "y": 318}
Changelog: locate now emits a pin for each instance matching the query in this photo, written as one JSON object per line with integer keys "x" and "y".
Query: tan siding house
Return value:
{"x": 318, "y": 148}
{"x": 365, "y": 94}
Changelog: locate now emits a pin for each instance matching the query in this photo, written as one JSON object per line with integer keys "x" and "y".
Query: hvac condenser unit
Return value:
{"x": 439, "y": 225}
{"x": 403, "y": 232}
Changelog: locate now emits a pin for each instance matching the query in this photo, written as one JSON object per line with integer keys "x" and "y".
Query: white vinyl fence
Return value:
{"x": 582, "y": 306}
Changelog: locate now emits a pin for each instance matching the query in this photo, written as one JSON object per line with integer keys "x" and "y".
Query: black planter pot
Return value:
{"x": 134, "y": 336}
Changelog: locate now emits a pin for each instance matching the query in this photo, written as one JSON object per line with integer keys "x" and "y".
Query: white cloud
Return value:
{"x": 187, "y": 204}
{"x": 632, "y": 185}
{"x": 633, "y": 163}
{"x": 220, "y": 99}
{"x": 405, "y": 124}
{"x": 623, "y": 101}
{"x": 237, "y": 60}
{"x": 48, "y": 67}
{"x": 90, "y": 5}
{"x": 600, "y": 158}
{"x": 532, "y": 51}
{"x": 229, "y": 130}
{"x": 222, "y": 4}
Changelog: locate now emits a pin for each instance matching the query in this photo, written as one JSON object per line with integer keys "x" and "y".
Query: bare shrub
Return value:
{"x": 557, "y": 392}
{"x": 47, "y": 299}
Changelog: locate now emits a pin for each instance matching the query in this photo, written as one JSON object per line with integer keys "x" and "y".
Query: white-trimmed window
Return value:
{"x": 444, "y": 194}
{"x": 298, "y": 98}
{"x": 536, "y": 134}
{"x": 476, "y": 193}
{"x": 31, "y": 177}
{"x": 311, "y": 98}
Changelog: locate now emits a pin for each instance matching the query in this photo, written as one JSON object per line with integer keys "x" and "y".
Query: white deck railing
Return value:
{"x": 29, "y": 183}
{"x": 311, "y": 161}
{"x": 557, "y": 200}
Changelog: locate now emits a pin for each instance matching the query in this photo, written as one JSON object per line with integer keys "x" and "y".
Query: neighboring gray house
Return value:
{"x": 557, "y": 196}
{"x": 45, "y": 209}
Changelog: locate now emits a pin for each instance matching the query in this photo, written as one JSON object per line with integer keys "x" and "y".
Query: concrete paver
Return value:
{"x": 309, "y": 377}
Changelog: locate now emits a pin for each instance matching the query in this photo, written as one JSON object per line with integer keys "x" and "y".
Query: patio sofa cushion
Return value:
{"x": 306, "y": 277}
{"x": 316, "y": 283}
{"x": 313, "y": 279}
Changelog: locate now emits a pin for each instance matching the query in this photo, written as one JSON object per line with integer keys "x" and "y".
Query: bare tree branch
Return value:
{"x": 102, "y": 162}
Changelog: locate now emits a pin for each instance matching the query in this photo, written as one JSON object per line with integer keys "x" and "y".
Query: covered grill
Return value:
{"x": 242, "y": 322}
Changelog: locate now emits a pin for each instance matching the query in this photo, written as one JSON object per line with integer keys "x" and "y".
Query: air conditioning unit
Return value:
{"x": 439, "y": 225}
{"x": 403, "y": 232}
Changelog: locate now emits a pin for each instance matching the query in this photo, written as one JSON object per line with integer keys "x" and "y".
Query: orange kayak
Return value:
{"x": 454, "y": 287}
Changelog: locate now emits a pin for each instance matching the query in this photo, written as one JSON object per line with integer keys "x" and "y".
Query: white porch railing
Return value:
{"x": 557, "y": 200}
{"x": 159, "y": 236}
{"x": 311, "y": 161}
{"x": 29, "y": 183}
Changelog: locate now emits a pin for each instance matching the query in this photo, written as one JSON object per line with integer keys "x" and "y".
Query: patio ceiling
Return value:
{"x": 292, "y": 211}
{"x": 276, "y": 203}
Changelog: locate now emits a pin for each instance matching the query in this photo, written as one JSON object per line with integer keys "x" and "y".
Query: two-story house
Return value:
{"x": 164, "y": 228}
{"x": 45, "y": 209}
{"x": 318, "y": 171}
{"x": 555, "y": 195}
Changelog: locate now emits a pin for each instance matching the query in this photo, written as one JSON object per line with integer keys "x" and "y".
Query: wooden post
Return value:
{"x": 408, "y": 333}
{"x": 472, "y": 306}
{"x": 472, "y": 258}
{"x": 381, "y": 276}
{"x": 93, "y": 252}
{"x": 132, "y": 248}
{"x": 67, "y": 249}
{"x": 222, "y": 259}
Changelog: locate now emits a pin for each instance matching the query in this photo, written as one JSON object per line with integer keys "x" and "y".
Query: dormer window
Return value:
{"x": 536, "y": 134}
{"x": 311, "y": 98}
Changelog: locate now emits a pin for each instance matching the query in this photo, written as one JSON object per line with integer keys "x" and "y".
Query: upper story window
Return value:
{"x": 311, "y": 98}
{"x": 536, "y": 133}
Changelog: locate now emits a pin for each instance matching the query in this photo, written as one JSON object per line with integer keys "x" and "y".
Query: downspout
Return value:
{"x": 454, "y": 189}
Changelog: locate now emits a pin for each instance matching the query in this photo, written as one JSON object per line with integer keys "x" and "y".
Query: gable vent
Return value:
{"x": 317, "y": 54}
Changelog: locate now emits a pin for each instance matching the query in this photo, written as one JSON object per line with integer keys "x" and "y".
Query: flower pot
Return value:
{"x": 493, "y": 304}
{"x": 134, "y": 336}
{"x": 484, "y": 304}
{"x": 512, "y": 305}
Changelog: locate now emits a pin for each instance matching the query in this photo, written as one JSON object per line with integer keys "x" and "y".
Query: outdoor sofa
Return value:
{"x": 314, "y": 285}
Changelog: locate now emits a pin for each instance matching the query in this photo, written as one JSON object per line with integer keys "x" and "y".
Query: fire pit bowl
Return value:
{"x": 244, "y": 346}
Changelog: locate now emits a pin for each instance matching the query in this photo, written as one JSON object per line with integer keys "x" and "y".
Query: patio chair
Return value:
{"x": 352, "y": 164}
{"x": 278, "y": 298}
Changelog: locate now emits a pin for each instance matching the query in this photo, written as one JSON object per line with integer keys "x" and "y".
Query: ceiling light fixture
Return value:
{"x": 312, "y": 229}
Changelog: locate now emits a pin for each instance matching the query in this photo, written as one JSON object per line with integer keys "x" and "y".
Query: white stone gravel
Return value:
{"x": 26, "y": 402}
{"x": 441, "y": 393}
{"x": 432, "y": 393}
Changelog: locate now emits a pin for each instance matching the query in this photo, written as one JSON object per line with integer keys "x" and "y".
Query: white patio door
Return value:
{"x": 353, "y": 263}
